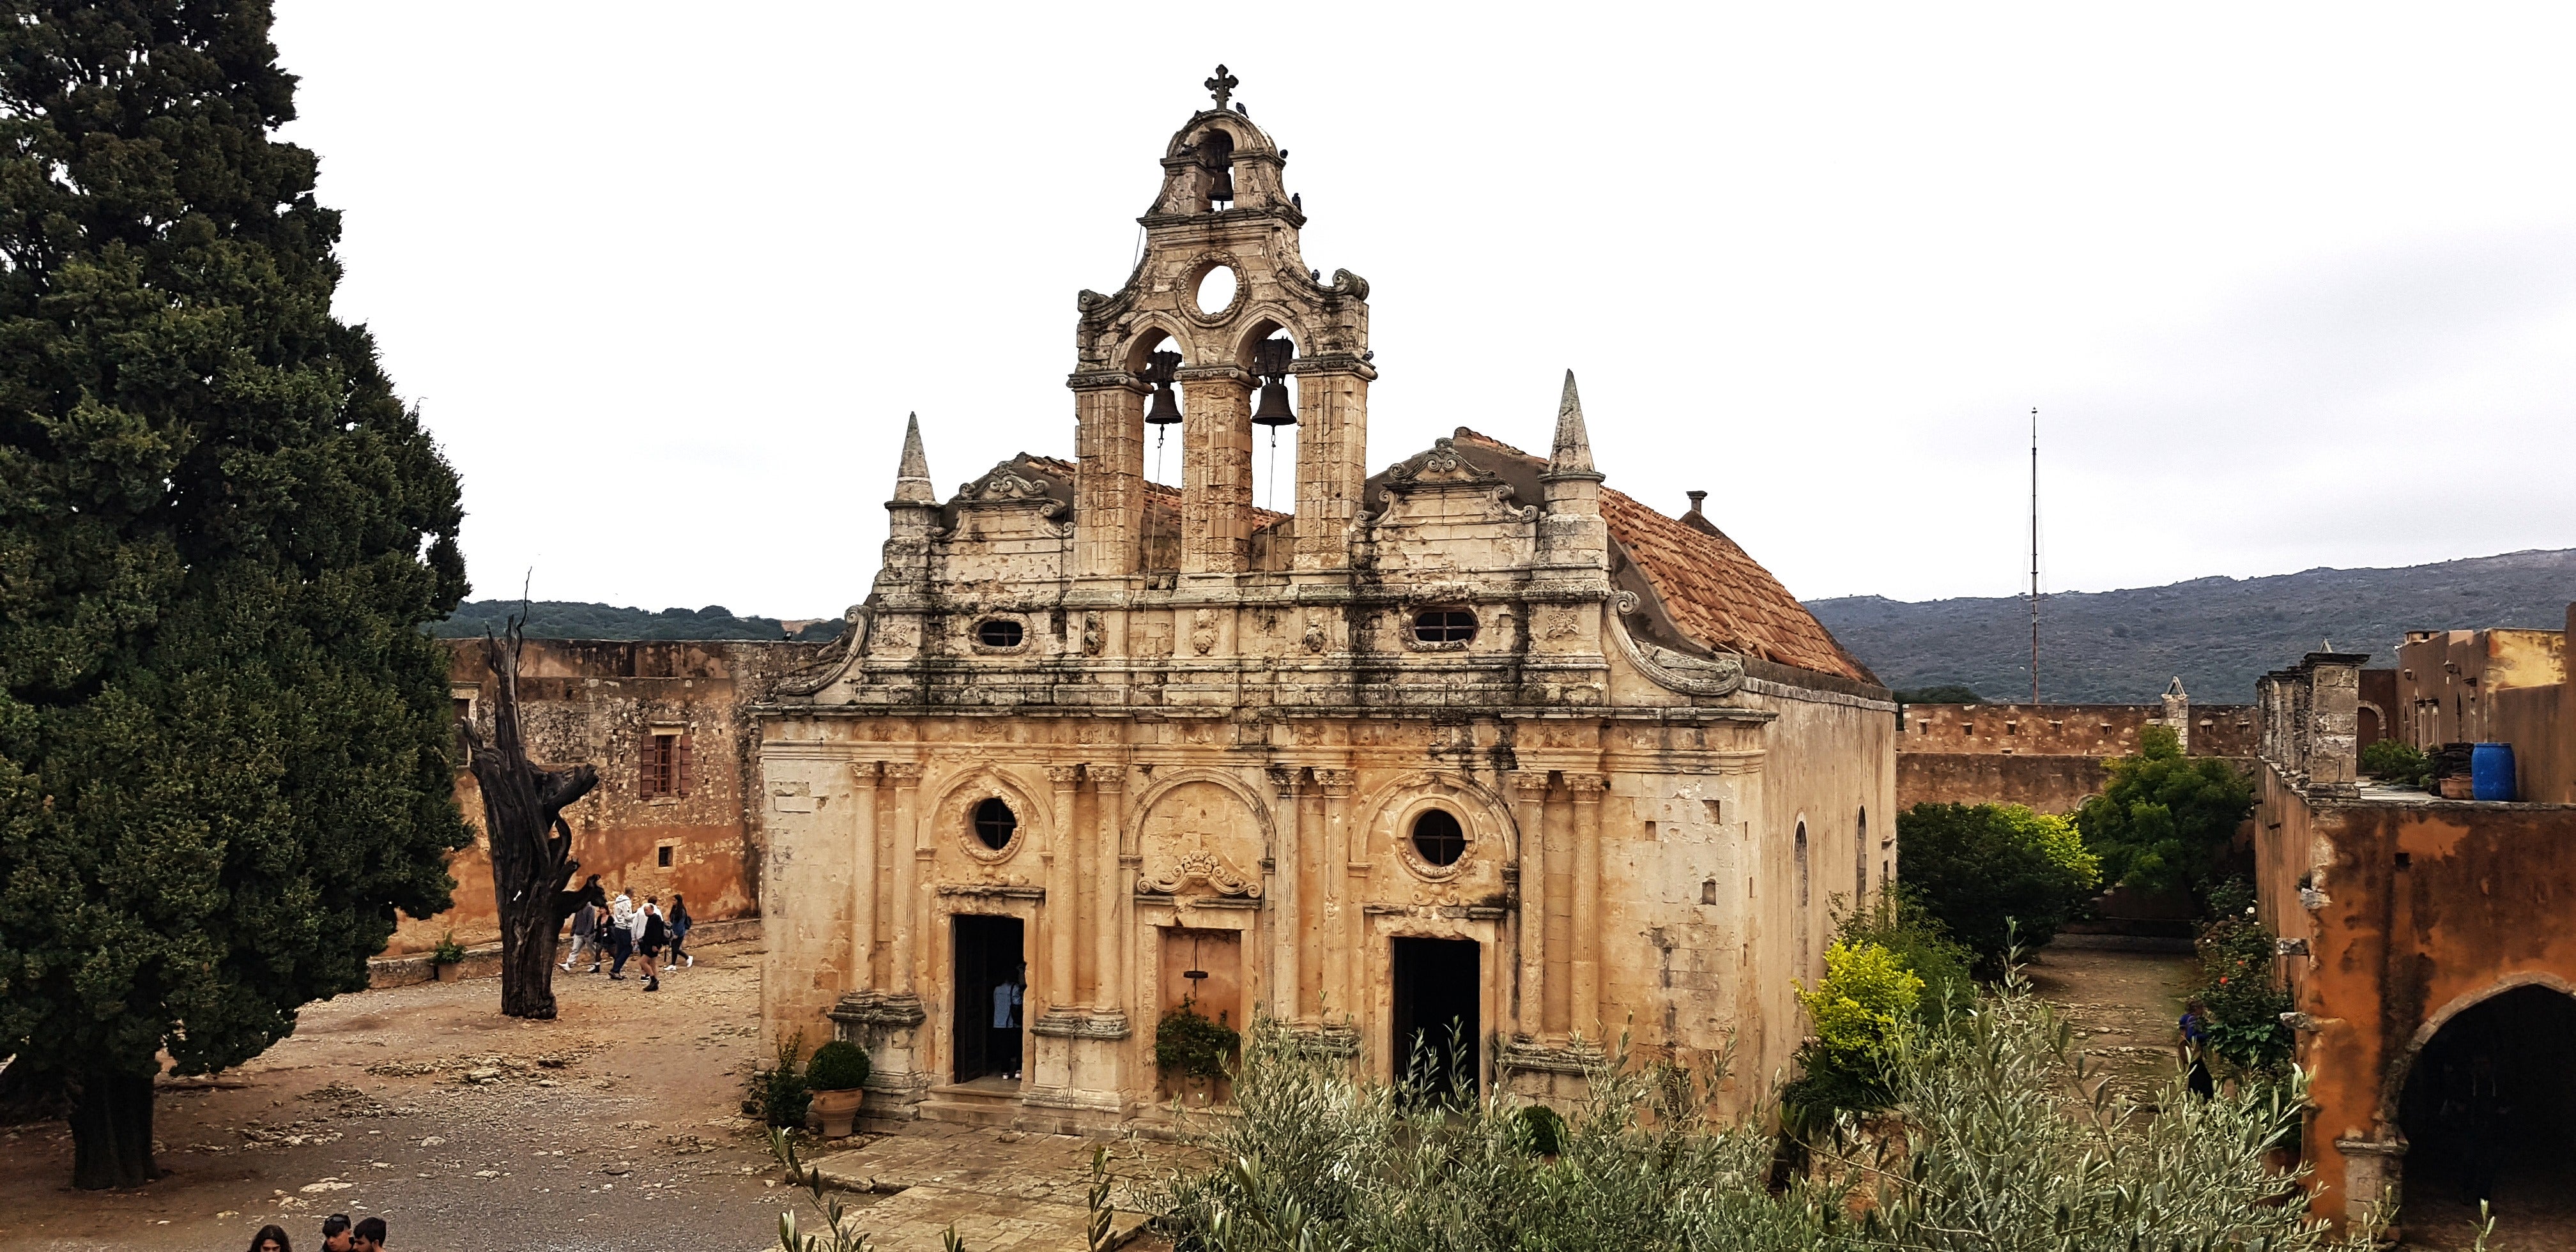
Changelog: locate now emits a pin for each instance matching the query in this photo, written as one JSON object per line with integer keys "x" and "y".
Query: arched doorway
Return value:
{"x": 2486, "y": 1113}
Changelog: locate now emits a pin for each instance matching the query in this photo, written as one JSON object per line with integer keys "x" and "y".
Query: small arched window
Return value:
{"x": 1444, "y": 626}
{"x": 998, "y": 632}
{"x": 1438, "y": 837}
{"x": 995, "y": 823}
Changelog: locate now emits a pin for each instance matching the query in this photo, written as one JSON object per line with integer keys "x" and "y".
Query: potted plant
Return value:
{"x": 1188, "y": 1045}
{"x": 835, "y": 1075}
{"x": 446, "y": 956}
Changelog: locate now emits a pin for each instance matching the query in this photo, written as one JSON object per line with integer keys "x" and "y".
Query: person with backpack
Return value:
{"x": 679, "y": 933}
{"x": 656, "y": 936}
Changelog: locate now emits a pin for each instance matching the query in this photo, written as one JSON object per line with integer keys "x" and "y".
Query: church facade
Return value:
{"x": 1472, "y": 747}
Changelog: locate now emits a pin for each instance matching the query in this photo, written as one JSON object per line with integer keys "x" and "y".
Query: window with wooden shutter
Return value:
{"x": 648, "y": 771}
{"x": 683, "y": 750}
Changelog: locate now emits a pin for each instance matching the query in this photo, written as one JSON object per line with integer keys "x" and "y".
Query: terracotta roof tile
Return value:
{"x": 1711, "y": 587}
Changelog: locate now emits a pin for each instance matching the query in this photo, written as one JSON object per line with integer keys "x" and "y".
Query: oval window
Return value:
{"x": 1444, "y": 626}
{"x": 1438, "y": 837}
{"x": 998, "y": 632}
{"x": 994, "y": 823}
{"x": 1216, "y": 290}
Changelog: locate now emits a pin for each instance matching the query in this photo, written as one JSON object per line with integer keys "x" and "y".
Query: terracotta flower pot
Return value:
{"x": 834, "y": 1111}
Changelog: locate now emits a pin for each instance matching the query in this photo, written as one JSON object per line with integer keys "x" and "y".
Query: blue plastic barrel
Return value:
{"x": 2491, "y": 771}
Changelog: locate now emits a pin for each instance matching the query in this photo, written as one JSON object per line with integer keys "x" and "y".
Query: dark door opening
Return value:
{"x": 1437, "y": 1035}
{"x": 992, "y": 984}
{"x": 2486, "y": 1114}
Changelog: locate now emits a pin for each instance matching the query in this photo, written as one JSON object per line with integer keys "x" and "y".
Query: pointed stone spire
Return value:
{"x": 1572, "y": 455}
{"x": 912, "y": 480}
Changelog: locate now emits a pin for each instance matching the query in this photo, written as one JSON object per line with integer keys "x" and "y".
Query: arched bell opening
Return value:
{"x": 1267, "y": 351}
{"x": 2489, "y": 1113}
{"x": 1215, "y": 153}
{"x": 1156, "y": 358}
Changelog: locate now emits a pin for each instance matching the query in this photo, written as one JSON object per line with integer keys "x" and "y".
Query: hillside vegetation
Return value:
{"x": 2217, "y": 634}
{"x": 567, "y": 619}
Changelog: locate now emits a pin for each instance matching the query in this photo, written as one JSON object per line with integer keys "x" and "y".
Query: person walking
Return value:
{"x": 369, "y": 1236}
{"x": 585, "y": 924}
{"x": 2195, "y": 1049}
{"x": 656, "y": 936}
{"x": 680, "y": 932}
{"x": 271, "y": 1239}
{"x": 621, "y": 933}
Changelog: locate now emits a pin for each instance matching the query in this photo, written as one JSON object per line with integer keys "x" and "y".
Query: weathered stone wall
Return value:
{"x": 2047, "y": 756}
{"x": 595, "y": 701}
{"x": 2494, "y": 686}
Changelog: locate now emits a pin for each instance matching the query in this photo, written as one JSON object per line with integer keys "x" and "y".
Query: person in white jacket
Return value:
{"x": 623, "y": 922}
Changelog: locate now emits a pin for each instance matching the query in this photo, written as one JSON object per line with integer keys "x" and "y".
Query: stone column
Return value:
{"x": 863, "y": 876}
{"x": 1287, "y": 923}
{"x": 1060, "y": 907}
{"x": 903, "y": 847}
{"x": 1340, "y": 929}
{"x": 1216, "y": 469}
{"x": 1109, "y": 475}
{"x": 2334, "y": 717}
{"x": 1109, "y": 795}
{"x": 1583, "y": 1008}
{"x": 1529, "y": 813}
{"x": 1332, "y": 455}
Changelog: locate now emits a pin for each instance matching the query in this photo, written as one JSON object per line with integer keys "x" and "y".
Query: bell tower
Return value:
{"x": 1156, "y": 353}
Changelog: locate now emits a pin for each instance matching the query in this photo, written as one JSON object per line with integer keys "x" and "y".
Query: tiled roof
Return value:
{"x": 1711, "y": 588}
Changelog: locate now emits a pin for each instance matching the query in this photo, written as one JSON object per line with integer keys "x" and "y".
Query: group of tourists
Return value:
{"x": 368, "y": 1235}
{"x": 624, "y": 930}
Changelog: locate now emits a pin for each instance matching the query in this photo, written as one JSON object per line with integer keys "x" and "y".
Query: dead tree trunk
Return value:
{"x": 532, "y": 861}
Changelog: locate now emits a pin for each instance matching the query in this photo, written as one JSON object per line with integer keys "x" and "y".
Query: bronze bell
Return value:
{"x": 1274, "y": 410}
{"x": 1160, "y": 368}
{"x": 1221, "y": 186}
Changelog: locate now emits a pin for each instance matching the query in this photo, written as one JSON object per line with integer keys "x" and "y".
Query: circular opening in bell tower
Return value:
{"x": 1216, "y": 291}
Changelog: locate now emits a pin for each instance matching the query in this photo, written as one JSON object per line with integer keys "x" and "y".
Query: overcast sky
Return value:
{"x": 2291, "y": 285}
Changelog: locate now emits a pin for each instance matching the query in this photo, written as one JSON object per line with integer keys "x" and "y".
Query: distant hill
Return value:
{"x": 565, "y": 619}
{"x": 2218, "y": 634}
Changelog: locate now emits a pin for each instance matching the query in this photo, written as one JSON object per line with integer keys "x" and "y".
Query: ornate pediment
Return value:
{"x": 1440, "y": 467}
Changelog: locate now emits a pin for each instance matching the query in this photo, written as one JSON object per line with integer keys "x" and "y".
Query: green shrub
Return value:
{"x": 448, "y": 951}
{"x": 1856, "y": 1010}
{"x": 1994, "y": 874}
{"x": 2164, "y": 821}
{"x": 1896, "y": 920}
{"x": 1187, "y": 1043}
{"x": 837, "y": 1066}
{"x": 778, "y": 1094}
{"x": 2397, "y": 763}
{"x": 2236, "y": 988}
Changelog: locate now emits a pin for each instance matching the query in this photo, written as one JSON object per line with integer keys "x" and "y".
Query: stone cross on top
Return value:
{"x": 1222, "y": 86}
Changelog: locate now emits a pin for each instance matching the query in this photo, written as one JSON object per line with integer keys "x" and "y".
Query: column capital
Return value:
{"x": 1106, "y": 777}
{"x": 1530, "y": 784}
{"x": 865, "y": 773}
{"x": 1283, "y": 779}
{"x": 903, "y": 773}
{"x": 1586, "y": 787}
{"x": 1107, "y": 380}
{"x": 1235, "y": 374}
{"x": 1335, "y": 782}
{"x": 1064, "y": 776}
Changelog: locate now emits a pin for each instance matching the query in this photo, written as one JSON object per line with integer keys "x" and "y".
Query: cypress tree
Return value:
{"x": 225, "y": 738}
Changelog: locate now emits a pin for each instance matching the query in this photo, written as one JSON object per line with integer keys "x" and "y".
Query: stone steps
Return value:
{"x": 971, "y": 1106}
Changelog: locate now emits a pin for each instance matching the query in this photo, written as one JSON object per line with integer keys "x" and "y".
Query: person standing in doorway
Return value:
{"x": 1007, "y": 998}
{"x": 680, "y": 932}
{"x": 585, "y": 924}
{"x": 656, "y": 935}
{"x": 621, "y": 934}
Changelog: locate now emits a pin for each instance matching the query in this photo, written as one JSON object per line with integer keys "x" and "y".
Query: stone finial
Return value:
{"x": 2174, "y": 688}
{"x": 1699, "y": 498}
{"x": 912, "y": 479}
{"x": 1222, "y": 86}
{"x": 1572, "y": 455}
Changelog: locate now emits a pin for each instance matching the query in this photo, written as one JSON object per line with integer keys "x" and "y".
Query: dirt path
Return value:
{"x": 2122, "y": 1006}
{"x": 615, "y": 1126}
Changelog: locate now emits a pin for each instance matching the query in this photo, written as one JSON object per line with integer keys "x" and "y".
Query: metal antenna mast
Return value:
{"x": 2034, "y": 556}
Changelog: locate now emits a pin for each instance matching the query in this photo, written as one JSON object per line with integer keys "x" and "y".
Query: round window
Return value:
{"x": 1215, "y": 293}
{"x": 1444, "y": 626}
{"x": 1437, "y": 836}
{"x": 998, "y": 632}
{"x": 994, "y": 822}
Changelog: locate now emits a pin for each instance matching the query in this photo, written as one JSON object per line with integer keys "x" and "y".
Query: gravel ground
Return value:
{"x": 616, "y": 1126}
